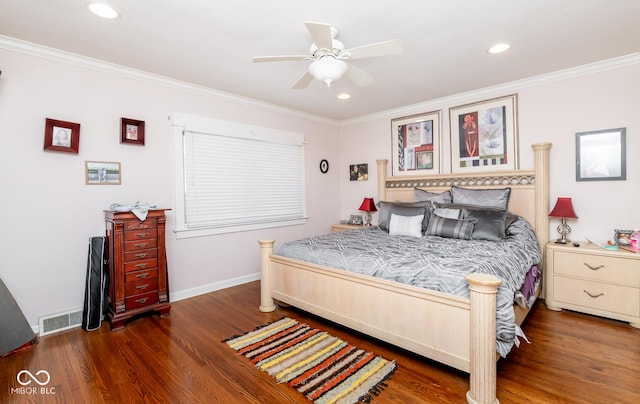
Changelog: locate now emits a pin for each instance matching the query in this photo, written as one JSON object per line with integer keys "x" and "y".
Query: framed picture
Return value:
{"x": 359, "y": 172}
{"x": 61, "y": 136}
{"x": 415, "y": 142}
{"x": 131, "y": 131}
{"x": 484, "y": 135}
{"x": 356, "y": 219}
{"x": 601, "y": 155}
{"x": 102, "y": 173}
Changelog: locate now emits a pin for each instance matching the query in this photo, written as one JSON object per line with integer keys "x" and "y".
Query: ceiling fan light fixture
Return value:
{"x": 328, "y": 69}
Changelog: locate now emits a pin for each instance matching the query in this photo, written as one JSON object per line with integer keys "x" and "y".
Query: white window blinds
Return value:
{"x": 236, "y": 177}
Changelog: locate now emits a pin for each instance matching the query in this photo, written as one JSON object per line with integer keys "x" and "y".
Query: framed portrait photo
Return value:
{"x": 484, "y": 135}
{"x": 61, "y": 136}
{"x": 601, "y": 155}
{"x": 415, "y": 142}
{"x": 131, "y": 131}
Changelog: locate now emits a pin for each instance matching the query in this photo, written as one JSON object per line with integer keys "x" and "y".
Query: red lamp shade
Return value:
{"x": 563, "y": 209}
{"x": 368, "y": 205}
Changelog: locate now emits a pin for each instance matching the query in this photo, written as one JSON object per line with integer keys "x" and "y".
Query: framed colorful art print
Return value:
{"x": 484, "y": 135}
{"x": 415, "y": 142}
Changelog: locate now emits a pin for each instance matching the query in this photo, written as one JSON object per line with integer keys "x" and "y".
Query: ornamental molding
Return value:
{"x": 507, "y": 180}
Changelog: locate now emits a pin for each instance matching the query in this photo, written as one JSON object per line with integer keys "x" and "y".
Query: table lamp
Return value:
{"x": 368, "y": 206}
{"x": 563, "y": 210}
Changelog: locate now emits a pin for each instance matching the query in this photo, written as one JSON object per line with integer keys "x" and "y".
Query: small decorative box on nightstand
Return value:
{"x": 345, "y": 226}
{"x": 593, "y": 280}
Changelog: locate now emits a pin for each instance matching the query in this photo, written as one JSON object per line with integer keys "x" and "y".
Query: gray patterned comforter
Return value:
{"x": 431, "y": 262}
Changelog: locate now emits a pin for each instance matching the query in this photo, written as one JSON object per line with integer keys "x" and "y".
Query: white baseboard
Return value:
{"x": 212, "y": 287}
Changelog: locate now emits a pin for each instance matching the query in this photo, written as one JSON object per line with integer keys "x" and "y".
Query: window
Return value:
{"x": 234, "y": 177}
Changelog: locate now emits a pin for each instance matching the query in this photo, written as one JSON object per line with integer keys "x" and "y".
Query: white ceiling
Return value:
{"x": 211, "y": 43}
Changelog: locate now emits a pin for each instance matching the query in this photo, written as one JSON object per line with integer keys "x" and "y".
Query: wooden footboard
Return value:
{"x": 452, "y": 330}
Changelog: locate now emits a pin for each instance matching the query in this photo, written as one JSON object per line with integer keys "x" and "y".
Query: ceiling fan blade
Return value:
{"x": 393, "y": 47}
{"x": 359, "y": 76}
{"x": 282, "y": 58}
{"x": 303, "y": 82}
{"x": 321, "y": 34}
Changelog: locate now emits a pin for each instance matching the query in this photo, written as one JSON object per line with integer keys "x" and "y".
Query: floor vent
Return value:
{"x": 60, "y": 322}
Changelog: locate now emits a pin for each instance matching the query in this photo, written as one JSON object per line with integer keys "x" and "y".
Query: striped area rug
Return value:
{"x": 324, "y": 368}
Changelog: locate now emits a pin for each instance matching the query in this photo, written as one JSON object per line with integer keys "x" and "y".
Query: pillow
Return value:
{"x": 420, "y": 195}
{"x": 385, "y": 211}
{"x": 449, "y": 213}
{"x": 406, "y": 225}
{"x": 496, "y": 198}
{"x": 490, "y": 223}
{"x": 450, "y": 228}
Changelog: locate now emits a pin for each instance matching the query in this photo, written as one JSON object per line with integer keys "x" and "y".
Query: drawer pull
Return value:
{"x": 141, "y": 235}
{"x": 593, "y": 296}
{"x": 593, "y": 268}
{"x": 144, "y": 299}
{"x": 142, "y": 255}
{"x": 142, "y": 276}
{"x": 142, "y": 287}
{"x": 143, "y": 265}
{"x": 141, "y": 245}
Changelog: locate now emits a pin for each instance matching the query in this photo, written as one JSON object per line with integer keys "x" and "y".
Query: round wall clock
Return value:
{"x": 324, "y": 166}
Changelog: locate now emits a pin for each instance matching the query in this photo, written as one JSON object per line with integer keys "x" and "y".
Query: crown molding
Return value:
{"x": 500, "y": 89}
{"x": 58, "y": 55}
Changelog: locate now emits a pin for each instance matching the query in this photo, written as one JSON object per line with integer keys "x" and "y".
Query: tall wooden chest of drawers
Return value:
{"x": 137, "y": 265}
{"x": 593, "y": 280}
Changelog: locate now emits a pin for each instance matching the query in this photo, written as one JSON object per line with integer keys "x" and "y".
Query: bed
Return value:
{"x": 457, "y": 331}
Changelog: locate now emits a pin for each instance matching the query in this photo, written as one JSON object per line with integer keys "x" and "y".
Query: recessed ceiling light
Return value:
{"x": 103, "y": 10}
{"x": 344, "y": 96}
{"x": 499, "y": 48}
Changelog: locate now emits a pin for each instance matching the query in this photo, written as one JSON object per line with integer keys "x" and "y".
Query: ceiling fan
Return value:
{"x": 329, "y": 57}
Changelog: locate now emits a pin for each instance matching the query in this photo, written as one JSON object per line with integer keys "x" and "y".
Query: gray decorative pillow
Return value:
{"x": 496, "y": 198}
{"x": 403, "y": 209}
{"x": 490, "y": 223}
{"x": 420, "y": 195}
{"x": 450, "y": 228}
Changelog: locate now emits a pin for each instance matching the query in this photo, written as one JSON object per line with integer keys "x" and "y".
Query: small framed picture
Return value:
{"x": 131, "y": 131}
{"x": 601, "y": 155}
{"x": 102, "y": 173}
{"x": 359, "y": 172}
{"x": 61, "y": 136}
{"x": 356, "y": 219}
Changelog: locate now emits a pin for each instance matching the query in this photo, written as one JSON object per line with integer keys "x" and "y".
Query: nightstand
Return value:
{"x": 345, "y": 226}
{"x": 593, "y": 280}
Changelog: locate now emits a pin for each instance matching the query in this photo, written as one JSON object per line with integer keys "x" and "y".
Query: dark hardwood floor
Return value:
{"x": 572, "y": 358}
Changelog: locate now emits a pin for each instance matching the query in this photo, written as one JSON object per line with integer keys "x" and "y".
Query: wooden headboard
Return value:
{"x": 529, "y": 188}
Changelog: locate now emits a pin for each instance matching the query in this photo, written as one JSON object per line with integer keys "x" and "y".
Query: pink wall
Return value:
{"x": 48, "y": 213}
{"x": 551, "y": 109}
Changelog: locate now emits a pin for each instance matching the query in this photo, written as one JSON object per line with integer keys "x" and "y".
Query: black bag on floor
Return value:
{"x": 96, "y": 295}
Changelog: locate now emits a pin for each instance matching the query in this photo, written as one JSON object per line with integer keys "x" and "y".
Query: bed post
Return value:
{"x": 382, "y": 176}
{"x": 482, "y": 374}
{"x": 266, "y": 302}
{"x": 541, "y": 164}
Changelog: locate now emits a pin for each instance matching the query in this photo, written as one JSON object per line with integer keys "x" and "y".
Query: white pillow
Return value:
{"x": 406, "y": 225}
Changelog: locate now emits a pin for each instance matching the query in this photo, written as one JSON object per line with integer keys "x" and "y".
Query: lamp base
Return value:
{"x": 562, "y": 241}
